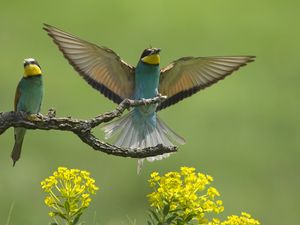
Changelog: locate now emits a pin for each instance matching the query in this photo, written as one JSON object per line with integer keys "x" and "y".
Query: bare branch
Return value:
{"x": 83, "y": 128}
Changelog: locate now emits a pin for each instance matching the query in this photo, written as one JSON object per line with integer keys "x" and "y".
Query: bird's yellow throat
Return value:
{"x": 151, "y": 59}
{"x": 32, "y": 70}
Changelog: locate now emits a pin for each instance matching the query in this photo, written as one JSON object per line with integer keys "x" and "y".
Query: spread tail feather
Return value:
{"x": 19, "y": 137}
{"x": 141, "y": 134}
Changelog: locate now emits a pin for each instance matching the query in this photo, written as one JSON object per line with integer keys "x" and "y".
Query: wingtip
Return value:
{"x": 49, "y": 29}
{"x": 251, "y": 58}
{"x": 46, "y": 25}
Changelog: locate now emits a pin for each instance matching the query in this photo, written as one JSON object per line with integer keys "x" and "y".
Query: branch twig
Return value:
{"x": 83, "y": 128}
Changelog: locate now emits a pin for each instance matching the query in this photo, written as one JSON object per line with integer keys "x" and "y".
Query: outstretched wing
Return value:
{"x": 102, "y": 68}
{"x": 186, "y": 76}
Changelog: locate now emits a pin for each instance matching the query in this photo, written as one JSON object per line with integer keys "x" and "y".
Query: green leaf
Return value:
{"x": 151, "y": 218}
{"x": 189, "y": 218}
{"x": 166, "y": 202}
{"x": 166, "y": 209}
{"x": 148, "y": 222}
{"x": 67, "y": 206}
{"x": 76, "y": 219}
{"x": 179, "y": 221}
{"x": 171, "y": 218}
{"x": 53, "y": 223}
{"x": 154, "y": 215}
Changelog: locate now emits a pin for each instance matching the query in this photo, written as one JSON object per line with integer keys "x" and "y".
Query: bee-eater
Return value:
{"x": 28, "y": 99}
{"x": 105, "y": 71}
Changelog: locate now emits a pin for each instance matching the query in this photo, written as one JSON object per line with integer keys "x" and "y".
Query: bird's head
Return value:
{"x": 31, "y": 68}
{"x": 151, "y": 56}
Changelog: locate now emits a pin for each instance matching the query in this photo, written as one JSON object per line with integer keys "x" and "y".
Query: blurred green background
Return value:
{"x": 244, "y": 131}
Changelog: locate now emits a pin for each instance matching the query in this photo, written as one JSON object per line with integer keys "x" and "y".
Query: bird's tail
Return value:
{"x": 19, "y": 137}
{"x": 133, "y": 132}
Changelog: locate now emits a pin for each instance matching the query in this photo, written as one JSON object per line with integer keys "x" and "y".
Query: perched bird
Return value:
{"x": 104, "y": 70}
{"x": 28, "y": 99}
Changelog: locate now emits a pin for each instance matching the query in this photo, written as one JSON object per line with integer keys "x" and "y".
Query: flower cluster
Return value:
{"x": 244, "y": 219}
{"x": 183, "y": 196}
{"x": 186, "y": 197}
{"x": 68, "y": 193}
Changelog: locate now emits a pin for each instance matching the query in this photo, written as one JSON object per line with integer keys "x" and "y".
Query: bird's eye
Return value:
{"x": 146, "y": 52}
{"x": 36, "y": 63}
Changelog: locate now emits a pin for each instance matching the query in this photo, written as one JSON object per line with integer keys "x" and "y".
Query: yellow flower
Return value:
{"x": 184, "y": 194}
{"x": 48, "y": 183}
{"x": 51, "y": 214}
{"x": 187, "y": 170}
{"x": 244, "y": 219}
{"x": 68, "y": 191}
{"x": 181, "y": 197}
{"x": 86, "y": 202}
{"x": 49, "y": 201}
{"x": 212, "y": 192}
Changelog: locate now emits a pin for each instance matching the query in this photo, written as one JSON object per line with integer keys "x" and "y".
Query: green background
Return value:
{"x": 244, "y": 131}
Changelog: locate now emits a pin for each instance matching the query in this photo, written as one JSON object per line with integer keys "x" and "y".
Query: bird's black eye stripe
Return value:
{"x": 31, "y": 62}
{"x": 36, "y": 63}
{"x": 146, "y": 52}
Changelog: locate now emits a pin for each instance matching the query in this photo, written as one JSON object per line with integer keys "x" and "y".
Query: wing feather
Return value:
{"x": 17, "y": 97}
{"x": 188, "y": 75}
{"x": 102, "y": 68}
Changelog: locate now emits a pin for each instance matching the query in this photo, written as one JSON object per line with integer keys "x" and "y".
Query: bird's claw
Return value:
{"x": 33, "y": 117}
{"x": 159, "y": 95}
{"x": 145, "y": 102}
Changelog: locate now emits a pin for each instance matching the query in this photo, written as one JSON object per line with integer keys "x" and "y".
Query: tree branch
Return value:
{"x": 83, "y": 128}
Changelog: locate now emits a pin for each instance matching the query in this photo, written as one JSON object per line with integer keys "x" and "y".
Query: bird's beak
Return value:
{"x": 156, "y": 51}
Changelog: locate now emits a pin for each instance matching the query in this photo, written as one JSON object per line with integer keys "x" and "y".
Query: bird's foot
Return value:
{"x": 145, "y": 102}
{"x": 159, "y": 95}
{"x": 33, "y": 117}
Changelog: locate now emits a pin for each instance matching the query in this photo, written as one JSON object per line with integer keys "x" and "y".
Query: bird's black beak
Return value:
{"x": 156, "y": 51}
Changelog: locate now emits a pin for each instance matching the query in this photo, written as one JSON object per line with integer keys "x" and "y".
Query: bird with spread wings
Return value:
{"x": 105, "y": 71}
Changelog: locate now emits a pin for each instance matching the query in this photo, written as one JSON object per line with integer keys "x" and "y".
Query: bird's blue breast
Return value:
{"x": 146, "y": 80}
{"x": 31, "y": 94}
{"x": 146, "y": 85}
